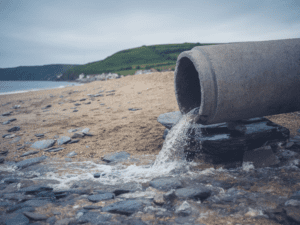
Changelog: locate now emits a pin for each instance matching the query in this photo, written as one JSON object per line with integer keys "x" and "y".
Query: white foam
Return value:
{"x": 171, "y": 158}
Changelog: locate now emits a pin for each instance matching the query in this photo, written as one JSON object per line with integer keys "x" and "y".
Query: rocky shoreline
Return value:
{"x": 47, "y": 178}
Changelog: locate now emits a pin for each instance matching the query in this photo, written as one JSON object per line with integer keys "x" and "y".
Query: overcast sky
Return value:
{"x": 39, "y": 32}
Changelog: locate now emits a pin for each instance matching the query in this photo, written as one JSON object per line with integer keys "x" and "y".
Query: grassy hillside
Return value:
{"x": 128, "y": 61}
{"x": 46, "y": 72}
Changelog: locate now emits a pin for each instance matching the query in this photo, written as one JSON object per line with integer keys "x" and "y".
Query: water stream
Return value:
{"x": 171, "y": 160}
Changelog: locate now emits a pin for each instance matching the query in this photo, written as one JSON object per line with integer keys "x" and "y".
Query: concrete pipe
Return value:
{"x": 236, "y": 81}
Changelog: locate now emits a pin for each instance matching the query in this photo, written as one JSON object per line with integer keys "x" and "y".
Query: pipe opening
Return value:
{"x": 188, "y": 88}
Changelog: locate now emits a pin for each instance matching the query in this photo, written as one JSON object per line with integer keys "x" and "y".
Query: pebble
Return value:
{"x": 85, "y": 130}
{"x": 8, "y": 135}
{"x": 74, "y": 141}
{"x": 134, "y": 109}
{"x": 35, "y": 216}
{"x": 75, "y": 110}
{"x": 83, "y": 99}
{"x": 13, "y": 129}
{"x": 87, "y": 103}
{"x": 28, "y": 162}
{"x": 7, "y": 114}
{"x": 47, "y": 106}
{"x": 9, "y": 121}
{"x": 39, "y": 135}
{"x": 77, "y": 135}
{"x": 97, "y": 175}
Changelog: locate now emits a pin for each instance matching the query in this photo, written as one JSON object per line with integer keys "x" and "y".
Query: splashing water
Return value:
{"x": 171, "y": 159}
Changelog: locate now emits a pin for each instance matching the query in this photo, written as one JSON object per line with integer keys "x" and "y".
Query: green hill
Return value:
{"x": 128, "y": 61}
{"x": 46, "y": 72}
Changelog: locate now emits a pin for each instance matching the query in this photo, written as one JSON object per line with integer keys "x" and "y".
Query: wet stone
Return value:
{"x": 293, "y": 213}
{"x": 169, "y": 119}
{"x": 127, "y": 207}
{"x": 196, "y": 193}
{"x": 63, "y": 140}
{"x": 184, "y": 209}
{"x": 39, "y": 135}
{"x": 165, "y": 184}
{"x": 116, "y": 157}
{"x": 92, "y": 207}
{"x": 43, "y": 144}
{"x": 36, "y": 203}
{"x": 97, "y": 175}
{"x": 101, "y": 197}
{"x": 2, "y": 160}
{"x": 261, "y": 157}
{"x": 51, "y": 220}
{"x": 14, "y": 129}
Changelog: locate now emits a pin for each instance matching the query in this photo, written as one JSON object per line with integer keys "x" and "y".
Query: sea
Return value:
{"x": 14, "y": 87}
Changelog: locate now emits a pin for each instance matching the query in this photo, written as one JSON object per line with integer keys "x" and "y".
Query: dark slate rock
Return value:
{"x": 7, "y": 113}
{"x": 33, "y": 190}
{"x": 25, "y": 209}
{"x": 169, "y": 119}
{"x": 261, "y": 157}
{"x": 134, "y": 109}
{"x": 101, "y": 197}
{"x": 14, "y": 129}
{"x": 13, "y": 208}
{"x": 39, "y": 135}
{"x": 74, "y": 141}
{"x": 46, "y": 194}
{"x": 54, "y": 149}
{"x": 97, "y": 175}
{"x": 166, "y": 184}
{"x": 11, "y": 180}
{"x": 116, "y": 157}
{"x": 91, "y": 207}
{"x": 98, "y": 95}
{"x": 19, "y": 219}
{"x": 47, "y": 106}
{"x": 9, "y": 121}
{"x": 2, "y": 160}
{"x": 71, "y": 154}
{"x": 29, "y": 162}
{"x": 196, "y": 193}
{"x": 87, "y": 103}
{"x": 94, "y": 218}
{"x": 110, "y": 94}
{"x": 15, "y": 140}
{"x": 4, "y": 152}
{"x": 110, "y": 91}
{"x": 36, "y": 203}
{"x": 77, "y": 104}
{"x": 51, "y": 220}
{"x": 29, "y": 153}
{"x": 293, "y": 213}
{"x": 296, "y": 195}
{"x": 35, "y": 216}
{"x": 102, "y": 104}
{"x": 63, "y": 140}
{"x": 43, "y": 144}
{"x": 127, "y": 207}
{"x": 83, "y": 99}
{"x": 4, "y": 204}
{"x": 75, "y": 110}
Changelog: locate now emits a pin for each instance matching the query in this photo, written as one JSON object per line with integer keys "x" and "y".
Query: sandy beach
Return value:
{"x": 114, "y": 127}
